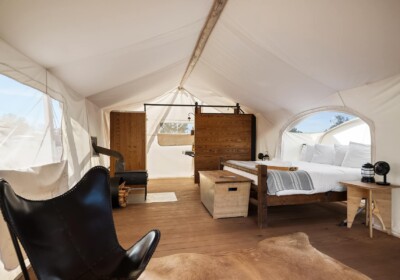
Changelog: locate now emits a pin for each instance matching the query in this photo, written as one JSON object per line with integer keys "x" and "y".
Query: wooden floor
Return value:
{"x": 186, "y": 226}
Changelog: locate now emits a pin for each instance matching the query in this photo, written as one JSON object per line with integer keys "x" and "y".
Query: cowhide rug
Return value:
{"x": 285, "y": 257}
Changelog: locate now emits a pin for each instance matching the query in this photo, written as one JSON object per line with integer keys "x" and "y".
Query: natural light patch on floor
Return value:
{"x": 152, "y": 197}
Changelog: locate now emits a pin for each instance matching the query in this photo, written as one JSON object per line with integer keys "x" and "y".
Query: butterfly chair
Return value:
{"x": 72, "y": 236}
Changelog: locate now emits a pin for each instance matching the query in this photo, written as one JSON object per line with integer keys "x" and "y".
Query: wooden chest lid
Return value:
{"x": 223, "y": 176}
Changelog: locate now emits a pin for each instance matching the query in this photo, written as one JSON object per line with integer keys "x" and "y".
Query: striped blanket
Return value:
{"x": 278, "y": 180}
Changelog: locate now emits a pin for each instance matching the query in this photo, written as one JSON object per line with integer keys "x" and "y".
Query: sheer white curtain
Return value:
{"x": 30, "y": 126}
{"x": 45, "y": 130}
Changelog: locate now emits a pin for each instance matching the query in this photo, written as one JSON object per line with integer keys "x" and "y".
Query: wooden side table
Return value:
{"x": 224, "y": 194}
{"x": 378, "y": 202}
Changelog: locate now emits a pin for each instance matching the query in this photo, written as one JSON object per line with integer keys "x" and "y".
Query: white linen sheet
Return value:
{"x": 325, "y": 177}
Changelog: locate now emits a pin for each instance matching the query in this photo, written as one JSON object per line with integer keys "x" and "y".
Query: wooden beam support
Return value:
{"x": 211, "y": 21}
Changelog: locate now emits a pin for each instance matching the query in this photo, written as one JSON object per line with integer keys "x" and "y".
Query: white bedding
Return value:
{"x": 325, "y": 177}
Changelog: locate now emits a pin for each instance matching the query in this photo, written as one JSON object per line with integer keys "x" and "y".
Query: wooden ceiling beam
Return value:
{"x": 211, "y": 21}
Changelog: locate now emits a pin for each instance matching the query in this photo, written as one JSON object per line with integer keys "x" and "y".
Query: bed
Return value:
{"x": 310, "y": 182}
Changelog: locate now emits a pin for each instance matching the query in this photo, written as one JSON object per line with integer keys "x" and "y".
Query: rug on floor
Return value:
{"x": 284, "y": 257}
{"x": 151, "y": 197}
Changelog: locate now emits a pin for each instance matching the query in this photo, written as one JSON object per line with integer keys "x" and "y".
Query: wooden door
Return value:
{"x": 128, "y": 136}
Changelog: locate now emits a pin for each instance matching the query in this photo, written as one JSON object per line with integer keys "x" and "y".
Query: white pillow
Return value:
{"x": 324, "y": 154}
{"x": 306, "y": 152}
{"x": 357, "y": 155}
{"x": 340, "y": 153}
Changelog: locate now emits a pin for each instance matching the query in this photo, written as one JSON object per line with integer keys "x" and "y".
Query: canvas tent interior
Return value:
{"x": 281, "y": 60}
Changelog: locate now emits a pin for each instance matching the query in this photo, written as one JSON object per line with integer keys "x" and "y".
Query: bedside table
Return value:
{"x": 379, "y": 203}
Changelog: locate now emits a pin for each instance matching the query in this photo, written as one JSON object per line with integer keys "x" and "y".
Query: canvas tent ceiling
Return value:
{"x": 271, "y": 56}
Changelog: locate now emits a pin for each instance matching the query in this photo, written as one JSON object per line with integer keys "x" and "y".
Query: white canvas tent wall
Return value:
{"x": 168, "y": 161}
{"x": 355, "y": 130}
{"x": 279, "y": 59}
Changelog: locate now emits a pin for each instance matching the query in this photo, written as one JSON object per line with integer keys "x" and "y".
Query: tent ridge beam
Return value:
{"x": 211, "y": 21}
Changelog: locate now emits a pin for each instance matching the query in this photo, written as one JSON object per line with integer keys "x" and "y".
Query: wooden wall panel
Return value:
{"x": 228, "y": 136}
{"x": 128, "y": 136}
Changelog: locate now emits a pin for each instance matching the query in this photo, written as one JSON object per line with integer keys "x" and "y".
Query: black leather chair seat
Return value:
{"x": 73, "y": 236}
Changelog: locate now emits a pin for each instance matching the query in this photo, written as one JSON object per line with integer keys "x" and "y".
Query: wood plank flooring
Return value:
{"x": 186, "y": 226}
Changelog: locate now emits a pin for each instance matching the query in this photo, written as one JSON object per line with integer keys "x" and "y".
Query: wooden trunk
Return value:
{"x": 224, "y": 194}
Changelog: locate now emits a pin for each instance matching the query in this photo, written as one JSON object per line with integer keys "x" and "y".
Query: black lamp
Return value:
{"x": 382, "y": 168}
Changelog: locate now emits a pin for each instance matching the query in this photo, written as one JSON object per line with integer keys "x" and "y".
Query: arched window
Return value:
{"x": 321, "y": 122}
{"x": 30, "y": 126}
{"x": 329, "y": 128}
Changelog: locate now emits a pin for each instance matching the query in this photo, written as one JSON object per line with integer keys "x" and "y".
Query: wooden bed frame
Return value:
{"x": 260, "y": 191}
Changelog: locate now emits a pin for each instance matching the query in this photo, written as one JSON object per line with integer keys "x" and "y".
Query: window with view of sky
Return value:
{"x": 30, "y": 126}
{"x": 322, "y": 121}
